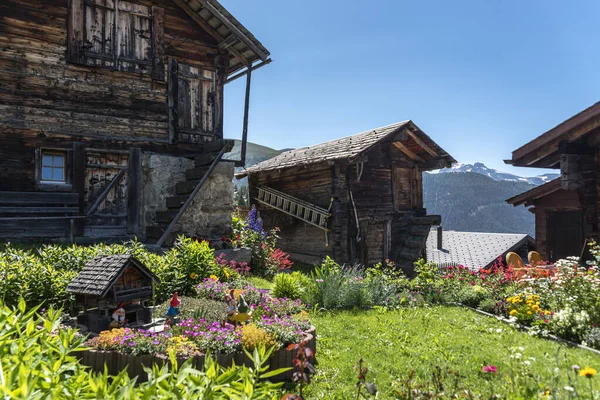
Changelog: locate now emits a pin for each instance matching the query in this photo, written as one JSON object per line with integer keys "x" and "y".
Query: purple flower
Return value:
{"x": 489, "y": 369}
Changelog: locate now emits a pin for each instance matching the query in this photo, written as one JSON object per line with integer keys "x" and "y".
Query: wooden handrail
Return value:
{"x": 106, "y": 191}
{"x": 187, "y": 203}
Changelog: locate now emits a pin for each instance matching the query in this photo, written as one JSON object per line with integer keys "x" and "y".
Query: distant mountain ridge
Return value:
{"x": 480, "y": 168}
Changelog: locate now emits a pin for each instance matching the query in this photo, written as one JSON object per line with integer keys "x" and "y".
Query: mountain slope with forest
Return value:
{"x": 472, "y": 202}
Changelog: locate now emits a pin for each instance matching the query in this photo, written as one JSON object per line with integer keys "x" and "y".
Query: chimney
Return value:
{"x": 439, "y": 237}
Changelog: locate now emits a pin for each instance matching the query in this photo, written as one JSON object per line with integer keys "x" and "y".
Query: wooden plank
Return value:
{"x": 423, "y": 145}
{"x": 41, "y": 218}
{"x": 173, "y": 100}
{"x": 158, "y": 45}
{"x": 242, "y": 162}
{"x": 39, "y": 210}
{"x": 106, "y": 191}
{"x": 408, "y": 152}
{"x": 134, "y": 191}
{"x": 75, "y": 31}
{"x": 38, "y": 198}
{"x": 189, "y": 200}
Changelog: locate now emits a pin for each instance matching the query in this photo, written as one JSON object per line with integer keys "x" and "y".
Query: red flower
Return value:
{"x": 489, "y": 369}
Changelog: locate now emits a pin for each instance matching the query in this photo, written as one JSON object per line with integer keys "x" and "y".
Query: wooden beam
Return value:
{"x": 245, "y": 123}
{"x": 210, "y": 7}
{"x": 254, "y": 68}
{"x": 211, "y": 31}
{"x": 134, "y": 191}
{"x": 78, "y": 182}
{"x": 106, "y": 191}
{"x": 408, "y": 152}
{"x": 418, "y": 141}
{"x": 190, "y": 198}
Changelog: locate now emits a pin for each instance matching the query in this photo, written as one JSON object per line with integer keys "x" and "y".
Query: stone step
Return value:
{"x": 196, "y": 173}
{"x": 205, "y": 159}
{"x": 165, "y": 217}
{"x": 427, "y": 220}
{"x": 415, "y": 243}
{"x": 409, "y": 255}
{"x": 419, "y": 230}
{"x": 175, "y": 202}
{"x": 186, "y": 187}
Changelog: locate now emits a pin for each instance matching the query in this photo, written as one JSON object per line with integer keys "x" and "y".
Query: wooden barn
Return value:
{"x": 567, "y": 209}
{"x": 111, "y": 117}
{"x": 356, "y": 199}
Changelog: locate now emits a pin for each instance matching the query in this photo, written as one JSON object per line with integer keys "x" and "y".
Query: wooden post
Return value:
{"x": 245, "y": 127}
{"x": 387, "y": 239}
{"x": 78, "y": 183}
{"x": 173, "y": 100}
{"x": 134, "y": 191}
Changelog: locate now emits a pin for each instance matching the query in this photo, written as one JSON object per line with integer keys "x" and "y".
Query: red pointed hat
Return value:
{"x": 175, "y": 301}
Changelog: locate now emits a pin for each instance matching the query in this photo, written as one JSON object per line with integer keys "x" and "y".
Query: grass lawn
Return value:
{"x": 459, "y": 341}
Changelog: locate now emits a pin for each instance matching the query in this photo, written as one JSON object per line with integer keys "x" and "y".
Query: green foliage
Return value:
{"x": 38, "y": 361}
{"x": 286, "y": 285}
{"x": 41, "y": 275}
{"x": 440, "y": 344}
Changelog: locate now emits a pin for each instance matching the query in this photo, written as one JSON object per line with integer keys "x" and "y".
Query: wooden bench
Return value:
{"x": 30, "y": 207}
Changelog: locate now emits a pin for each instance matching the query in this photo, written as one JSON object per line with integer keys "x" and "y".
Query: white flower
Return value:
{"x": 499, "y": 330}
{"x": 569, "y": 389}
{"x": 526, "y": 362}
{"x": 521, "y": 348}
{"x": 532, "y": 358}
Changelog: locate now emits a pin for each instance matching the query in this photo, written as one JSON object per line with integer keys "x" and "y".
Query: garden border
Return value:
{"x": 115, "y": 362}
{"x": 526, "y": 328}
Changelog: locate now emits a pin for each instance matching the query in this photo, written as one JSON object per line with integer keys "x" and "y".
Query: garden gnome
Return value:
{"x": 231, "y": 304}
{"x": 167, "y": 328}
{"x": 118, "y": 317}
{"x": 243, "y": 306}
{"x": 173, "y": 310}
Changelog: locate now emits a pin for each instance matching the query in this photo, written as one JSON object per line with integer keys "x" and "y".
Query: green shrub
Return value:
{"x": 37, "y": 361}
{"x": 286, "y": 285}
{"x": 191, "y": 307}
{"x": 488, "y": 305}
{"x": 471, "y": 295}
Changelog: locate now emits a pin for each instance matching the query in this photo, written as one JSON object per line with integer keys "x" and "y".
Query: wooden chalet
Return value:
{"x": 111, "y": 114}
{"x": 356, "y": 199}
{"x": 107, "y": 281}
{"x": 566, "y": 209}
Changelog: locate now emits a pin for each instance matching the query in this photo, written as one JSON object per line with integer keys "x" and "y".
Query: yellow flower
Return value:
{"x": 587, "y": 372}
{"x": 193, "y": 275}
{"x": 214, "y": 277}
{"x": 529, "y": 312}
{"x": 226, "y": 273}
{"x": 513, "y": 312}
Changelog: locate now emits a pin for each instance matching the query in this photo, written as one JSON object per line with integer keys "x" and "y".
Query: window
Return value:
{"x": 193, "y": 103}
{"x": 53, "y": 167}
{"x": 118, "y": 35}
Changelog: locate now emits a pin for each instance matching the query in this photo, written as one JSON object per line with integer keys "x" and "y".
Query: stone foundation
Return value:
{"x": 209, "y": 215}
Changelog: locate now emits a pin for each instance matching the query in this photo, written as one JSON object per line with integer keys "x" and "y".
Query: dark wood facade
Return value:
{"x": 87, "y": 87}
{"x": 371, "y": 183}
{"x": 566, "y": 209}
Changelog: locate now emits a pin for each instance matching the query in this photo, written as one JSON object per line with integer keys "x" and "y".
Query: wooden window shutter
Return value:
{"x": 158, "y": 47}
{"x": 75, "y": 32}
{"x": 173, "y": 100}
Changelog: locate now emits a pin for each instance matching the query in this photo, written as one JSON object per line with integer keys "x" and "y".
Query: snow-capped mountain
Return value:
{"x": 480, "y": 168}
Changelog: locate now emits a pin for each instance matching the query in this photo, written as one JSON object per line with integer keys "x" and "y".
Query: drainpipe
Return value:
{"x": 439, "y": 237}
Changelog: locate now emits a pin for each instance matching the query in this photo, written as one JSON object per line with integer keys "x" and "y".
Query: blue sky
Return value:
{"x": 480, "y": 77}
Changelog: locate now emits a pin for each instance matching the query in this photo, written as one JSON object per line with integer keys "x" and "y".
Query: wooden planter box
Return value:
{"x": 116, "y": 362}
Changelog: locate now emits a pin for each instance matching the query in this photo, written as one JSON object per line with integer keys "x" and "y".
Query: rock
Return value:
{"x": 238, "y": 255}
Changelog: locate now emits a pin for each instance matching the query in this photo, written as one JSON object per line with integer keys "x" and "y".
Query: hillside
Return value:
{"x": 472, "y": 202}
{"x": 480, "y": 168}
{"x": 255, "y": 153}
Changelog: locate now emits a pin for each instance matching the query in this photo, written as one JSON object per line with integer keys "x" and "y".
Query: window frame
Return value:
{"x": 53, "y": 185}
{"x": 63, "y": 168}
{"x": 77, "y": 48}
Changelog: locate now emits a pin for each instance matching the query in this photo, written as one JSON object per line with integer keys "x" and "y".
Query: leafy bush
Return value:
{"x": 37, "y": 360}
{"x": 471, "y": 295}
{"x": 286, "y": 285}
{"x": 253, "y": 336}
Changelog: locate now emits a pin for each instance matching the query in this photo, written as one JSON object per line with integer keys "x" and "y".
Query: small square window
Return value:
{"x": 53, "y": 167}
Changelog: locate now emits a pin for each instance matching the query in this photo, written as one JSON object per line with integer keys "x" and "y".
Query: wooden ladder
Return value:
{"x": 297, "y": 208}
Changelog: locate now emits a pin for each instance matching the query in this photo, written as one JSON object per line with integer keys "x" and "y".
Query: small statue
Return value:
{"x": 167, "y": 331}
{"x": 118, "y": 317}
{"x": 243, "y": 306}
{"x": 231, "y": 304}
{"x": 173, "y": 310}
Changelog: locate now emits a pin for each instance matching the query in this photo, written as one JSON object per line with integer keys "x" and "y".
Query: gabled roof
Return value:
{"x": 542, "y": 152}
{"x": 228, "y": 31}
{"x": 535, "y": 193}
{"x": 473, "y": 249}
{"x": 415, "y": 144}
{"x": 98, "y": 275}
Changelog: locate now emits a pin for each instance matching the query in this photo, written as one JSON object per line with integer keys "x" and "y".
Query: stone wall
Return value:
{"x": 208, "y": 216}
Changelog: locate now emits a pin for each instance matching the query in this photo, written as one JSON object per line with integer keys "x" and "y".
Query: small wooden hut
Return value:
{"x": 107, "y": 281}
{"x": 356, "y": 199}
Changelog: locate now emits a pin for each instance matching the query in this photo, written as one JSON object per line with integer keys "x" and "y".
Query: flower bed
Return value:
{"x": 116, "y": 361}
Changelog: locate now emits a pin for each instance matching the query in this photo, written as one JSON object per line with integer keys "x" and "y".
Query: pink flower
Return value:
{"x": 472, "y": 283}
{"x": 489, "y": 369}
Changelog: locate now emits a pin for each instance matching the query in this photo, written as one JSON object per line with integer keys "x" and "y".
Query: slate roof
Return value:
{"x": 473, "y": 249}
{"x": 98, "y": 275}
{"x": 349, "y": 147}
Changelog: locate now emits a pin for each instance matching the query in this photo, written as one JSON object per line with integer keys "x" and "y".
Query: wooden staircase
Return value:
{"x": 414, "y": 244}
{"x": 293, "y": 206}
{"x": 163, "y": 230}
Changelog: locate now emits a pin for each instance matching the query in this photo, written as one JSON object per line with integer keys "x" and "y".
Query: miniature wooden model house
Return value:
{"x": 356, "y": 199}
{"x": 109, "y": 281}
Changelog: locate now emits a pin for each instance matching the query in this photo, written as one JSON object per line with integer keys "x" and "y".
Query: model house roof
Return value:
{"x": 410, "y": 140}
{"x": 473, "y": 249}
{"x": 228, "y": 31}
{"x": 98, "y": 275}
{"x": 543, "y": 151}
